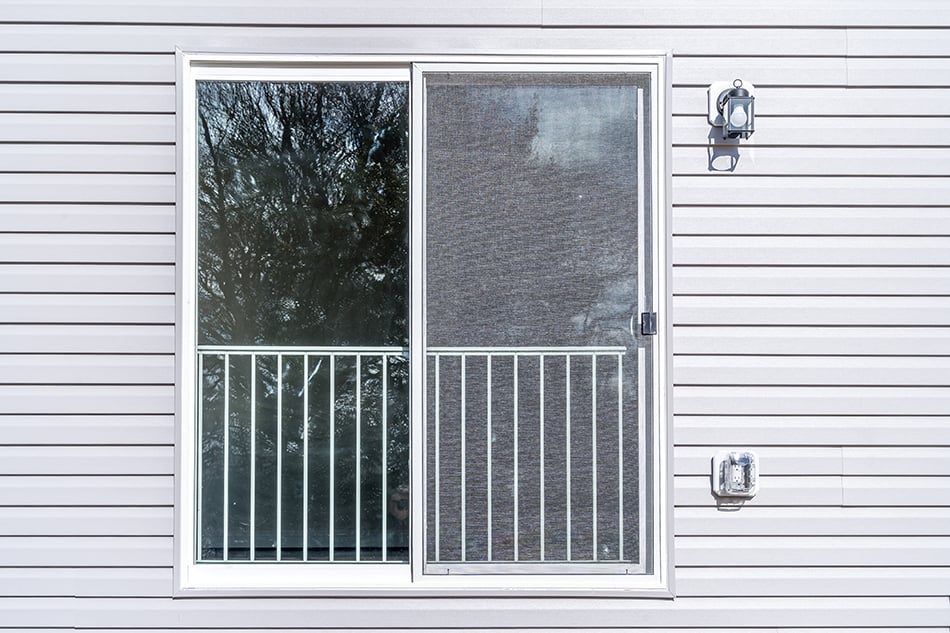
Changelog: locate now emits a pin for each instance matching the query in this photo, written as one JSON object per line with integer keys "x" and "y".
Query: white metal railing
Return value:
{"x": 342, "y": 369}
{"x": 462, "y": 376}
{"x": 349, "y": 385}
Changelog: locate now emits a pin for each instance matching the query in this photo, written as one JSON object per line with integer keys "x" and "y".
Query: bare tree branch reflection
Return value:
{"x": 302, "y": 240}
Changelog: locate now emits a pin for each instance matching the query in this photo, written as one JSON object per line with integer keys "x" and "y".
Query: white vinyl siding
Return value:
{"x": 808, "y": 288}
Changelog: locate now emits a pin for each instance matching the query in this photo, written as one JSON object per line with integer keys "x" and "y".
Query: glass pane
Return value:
{"x": 531, "y": 284}
{"x": 302, "y": 242}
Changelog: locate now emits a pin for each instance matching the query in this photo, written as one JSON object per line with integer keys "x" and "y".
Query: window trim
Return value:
{"x": 390, "y": 579}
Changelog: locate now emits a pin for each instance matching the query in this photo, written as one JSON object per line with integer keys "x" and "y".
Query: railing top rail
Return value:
{"x": 432, "y": 351}
{"x": 526, "y": 351}
{"x": 300, "y": 349}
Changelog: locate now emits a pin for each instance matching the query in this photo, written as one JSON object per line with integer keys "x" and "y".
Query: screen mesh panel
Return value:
{"x": 531, "y": 284}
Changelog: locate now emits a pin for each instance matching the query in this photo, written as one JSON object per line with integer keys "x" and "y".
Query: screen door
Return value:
{"x": 533, "y": 221}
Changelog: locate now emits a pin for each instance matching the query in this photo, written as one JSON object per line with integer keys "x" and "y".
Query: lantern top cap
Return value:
{"x": 736, "y": 91}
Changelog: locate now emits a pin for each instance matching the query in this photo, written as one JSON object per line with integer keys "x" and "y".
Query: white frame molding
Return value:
{"x": 393, "y": 579}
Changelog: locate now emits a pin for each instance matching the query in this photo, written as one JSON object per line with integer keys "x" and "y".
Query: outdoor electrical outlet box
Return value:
{"x": 735, "y": 474}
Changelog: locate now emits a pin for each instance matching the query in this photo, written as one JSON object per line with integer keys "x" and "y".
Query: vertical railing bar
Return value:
{"x": 541, "y": 448}
{"x": 332, "y": 531}
{"x": 620, "y": 446}
{"x": 253, "y": 521}
{"x": 488, "y": 440}
{"x": 280, "y": 448}
{"x": 385, "y": 461}
{"x": 359, "y": 454}
{"x": 200, "y": 456}
{"x": 462, "y": 423}
{"x": 593, "y": 446}
{"x": 515, "y": 483}
{"x": 567, "y": 444}
{"x": 306, "y": 454}
{"x": 438, "y": 466}
{"x": 227, "y": 450}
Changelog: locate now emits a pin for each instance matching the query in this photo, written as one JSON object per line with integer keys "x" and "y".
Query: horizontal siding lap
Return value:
{"x": 145, "y": 583}
{"x": 812, "y": 400}
{"x": 777, "y": 430}
{"x": 40, "y": 613}
{"x": 726, "y": 161}
{"x": 814, "y": 582}
{"x": 87, "y": 369}
{"x": 87, "y": 308}
{"x": 694, "y": 460}
{"x": 85, "y": 582}
{"x": 87, "y": 218}
{"x": 21, "y": 157}
{"x": 828, "y": 102}
{"x": 152, "y": 38}
{"x": 88, "y": 460}
{"x": 929, "y": 460}
{"x": 925, "y": 73}
{"x": 37, "y": 582}
{"x": 534, "y": 613}
{"x": 86, "y": 339}
{"x": 86, "y": 399}
{"x": 761, "y": 71}
{"x": 813, "y": 521}
{"x": 290, "y": 12}
{"x": 807, "y": 490}
{"x": 895, "y": 42}
{"x": 89, "y": 521}
{"x": 901, "y": 490}
{"x": 811, "y": 340}
{"x": 832, "y": 128}
{"x": 695, "y": 490}
{"x": 134, "y": 583}
{"x": 817, "y": 221}
{"x": 812, "y": 311}
{"x": 812, "y": 551}
{"x": 810, "y": 280}
{"x": 810, "y": 13}
{"x": 91, "y": 98}
{"x": 87, "y": 430}
{"x": 86, "y": 68}
{"x": 72, "y": 489}
{"x": 810, "y": 251}
{"x": 87, "y": 248}
{"x": 72, "y": 127}
{"x": 95, "y": 278}
{"x": 122, "y": 188}
{"x": 85, "y": 551}
{"x": 811, "y": 370}
{"x": 780, "y": 190}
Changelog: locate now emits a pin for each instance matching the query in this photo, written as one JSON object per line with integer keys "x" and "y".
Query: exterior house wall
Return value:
{"x": 810, "y": 307}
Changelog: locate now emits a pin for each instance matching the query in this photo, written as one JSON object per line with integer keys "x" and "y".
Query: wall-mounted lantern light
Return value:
{"x": 732, "y": 109}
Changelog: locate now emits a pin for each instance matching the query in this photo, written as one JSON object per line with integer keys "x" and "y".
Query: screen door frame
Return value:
{"x": 654, "y": 477}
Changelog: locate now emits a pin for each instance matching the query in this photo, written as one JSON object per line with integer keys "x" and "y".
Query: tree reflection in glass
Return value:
{"x": 302, "y": 241}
